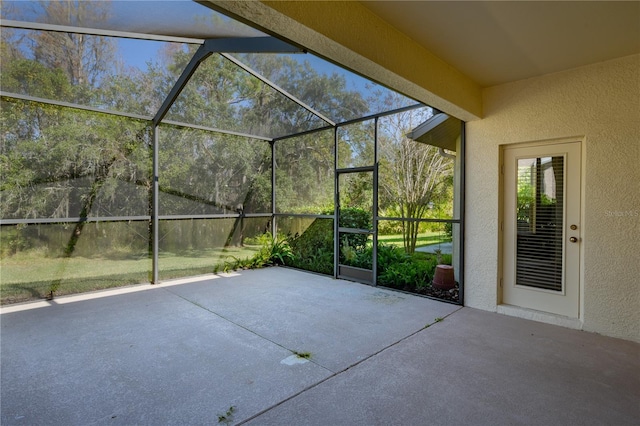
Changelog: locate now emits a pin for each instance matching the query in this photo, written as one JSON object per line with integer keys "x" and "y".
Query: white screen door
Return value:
{"x": 541, "y": 227}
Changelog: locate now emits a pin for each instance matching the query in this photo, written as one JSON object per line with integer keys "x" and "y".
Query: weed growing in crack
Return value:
{"x": 434, "y": 321}
{"x": 227, "y": 418}
{"x": 303, "y": 355}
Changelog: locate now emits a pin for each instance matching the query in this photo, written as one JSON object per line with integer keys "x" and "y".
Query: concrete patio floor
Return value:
{"x": 184, "y": 352}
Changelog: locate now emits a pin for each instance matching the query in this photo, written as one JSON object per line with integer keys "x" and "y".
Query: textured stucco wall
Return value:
{"x": 599, "y": 104}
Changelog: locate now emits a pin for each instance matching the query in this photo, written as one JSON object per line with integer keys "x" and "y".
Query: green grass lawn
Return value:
{"x": 29, "y": 275}
{"x": 424, "y": 238}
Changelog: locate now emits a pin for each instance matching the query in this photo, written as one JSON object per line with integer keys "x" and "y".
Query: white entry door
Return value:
{"x": 541, "y": 227}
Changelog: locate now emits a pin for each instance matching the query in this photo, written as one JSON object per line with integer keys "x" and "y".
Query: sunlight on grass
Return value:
{"x": 29, "y": 275}
{"x": 424, "y": 238}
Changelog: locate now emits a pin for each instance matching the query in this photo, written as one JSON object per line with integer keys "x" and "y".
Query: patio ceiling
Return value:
{"x": 496, "y": 42}
{"x": 444, "y": 53}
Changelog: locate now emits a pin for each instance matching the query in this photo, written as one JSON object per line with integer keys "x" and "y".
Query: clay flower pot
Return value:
{"x": 443, "y": 278}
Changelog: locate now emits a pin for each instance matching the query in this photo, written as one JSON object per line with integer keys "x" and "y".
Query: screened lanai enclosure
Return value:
{"x": 144, "y": 141}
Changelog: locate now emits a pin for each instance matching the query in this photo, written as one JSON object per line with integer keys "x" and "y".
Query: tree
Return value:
{"x": 413, "y": 174}
{"x": 62, "y": 162}
{"x": 59, "y": 162}
{"x": 304, "y": 173}
{"x": 326, "y": 93}
{"x": 84, "y": 58}
{"x": 304, "y": 164}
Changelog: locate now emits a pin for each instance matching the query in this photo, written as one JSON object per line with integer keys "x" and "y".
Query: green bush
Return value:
{"x": 272, "y": 252}
{"x": 353, "y": 247}
{"x": 13, "y": 241}
{"x": 396, "y": 269}
{"x": 313, "y": 249}
{"x": 355, "y": 217}
{"x": 360, "y": 258}
{"x": 389, "y": 227}
{"x": 448, "y": 229}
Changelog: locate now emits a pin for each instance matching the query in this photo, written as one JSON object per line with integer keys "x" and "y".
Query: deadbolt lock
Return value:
{"x": 573, "y": 227}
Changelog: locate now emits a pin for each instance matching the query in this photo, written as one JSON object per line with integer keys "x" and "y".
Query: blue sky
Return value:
{"x": 137, "y": 53}
{"x": 178, "y": 18}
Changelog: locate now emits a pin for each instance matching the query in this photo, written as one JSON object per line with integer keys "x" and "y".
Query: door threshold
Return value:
{"x": 540, "y": 316}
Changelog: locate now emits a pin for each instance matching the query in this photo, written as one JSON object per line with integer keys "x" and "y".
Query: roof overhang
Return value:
{"x": 440, "y": 130}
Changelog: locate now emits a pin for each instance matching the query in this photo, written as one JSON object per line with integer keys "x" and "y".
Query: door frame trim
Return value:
{"x": 523, "y": 312}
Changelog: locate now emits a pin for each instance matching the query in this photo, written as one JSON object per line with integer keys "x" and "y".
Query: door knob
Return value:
{"x": 573, "y": 239}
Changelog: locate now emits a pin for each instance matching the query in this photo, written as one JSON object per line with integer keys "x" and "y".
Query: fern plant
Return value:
{"x": 272, "y": 252}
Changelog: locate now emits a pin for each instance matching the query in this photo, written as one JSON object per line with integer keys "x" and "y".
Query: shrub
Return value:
{"x": 362, "y": 258}
{"x": 448, "y": 229}
{"x": 13, "y": 241}
{"x": 354, "y": 217}
{"x": 272, "y": 252}
{"x": 313, "y": 249}
{"x": 396, "y": 269}
{"x": 389, "y": 254}
{"x": 389, "y": 227}
{"x": 280, "y": 251}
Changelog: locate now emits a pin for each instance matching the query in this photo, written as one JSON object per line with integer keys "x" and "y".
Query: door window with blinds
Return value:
{"x": 540, "y": 222}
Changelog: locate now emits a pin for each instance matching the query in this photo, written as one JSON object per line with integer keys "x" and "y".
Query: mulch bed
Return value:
{"x": 436, "y": 293}
{"x": 448, "y": 295}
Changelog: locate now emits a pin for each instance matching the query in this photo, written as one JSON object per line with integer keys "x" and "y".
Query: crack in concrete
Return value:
{"x": 344, "y": 370}
{"x": 330, "y": 376}
{"x": 293, "y": 351}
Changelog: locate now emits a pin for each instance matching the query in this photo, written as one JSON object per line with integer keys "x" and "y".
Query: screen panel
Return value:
{"x": 69, "y": 258}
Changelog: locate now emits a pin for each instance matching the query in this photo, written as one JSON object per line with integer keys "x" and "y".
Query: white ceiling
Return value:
{"x": 495, "y": 42}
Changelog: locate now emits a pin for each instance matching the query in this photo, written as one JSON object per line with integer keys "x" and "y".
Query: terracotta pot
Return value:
{"x": 443, "y": 278}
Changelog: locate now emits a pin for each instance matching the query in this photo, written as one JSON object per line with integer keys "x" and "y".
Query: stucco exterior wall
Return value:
{"x": 600, "y": 105}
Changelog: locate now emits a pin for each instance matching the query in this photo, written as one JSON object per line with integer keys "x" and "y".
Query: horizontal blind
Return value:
{"x": 540, "y": 215}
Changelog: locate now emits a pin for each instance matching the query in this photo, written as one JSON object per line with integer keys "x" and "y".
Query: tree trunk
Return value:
{"x": 69, "y": 249}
